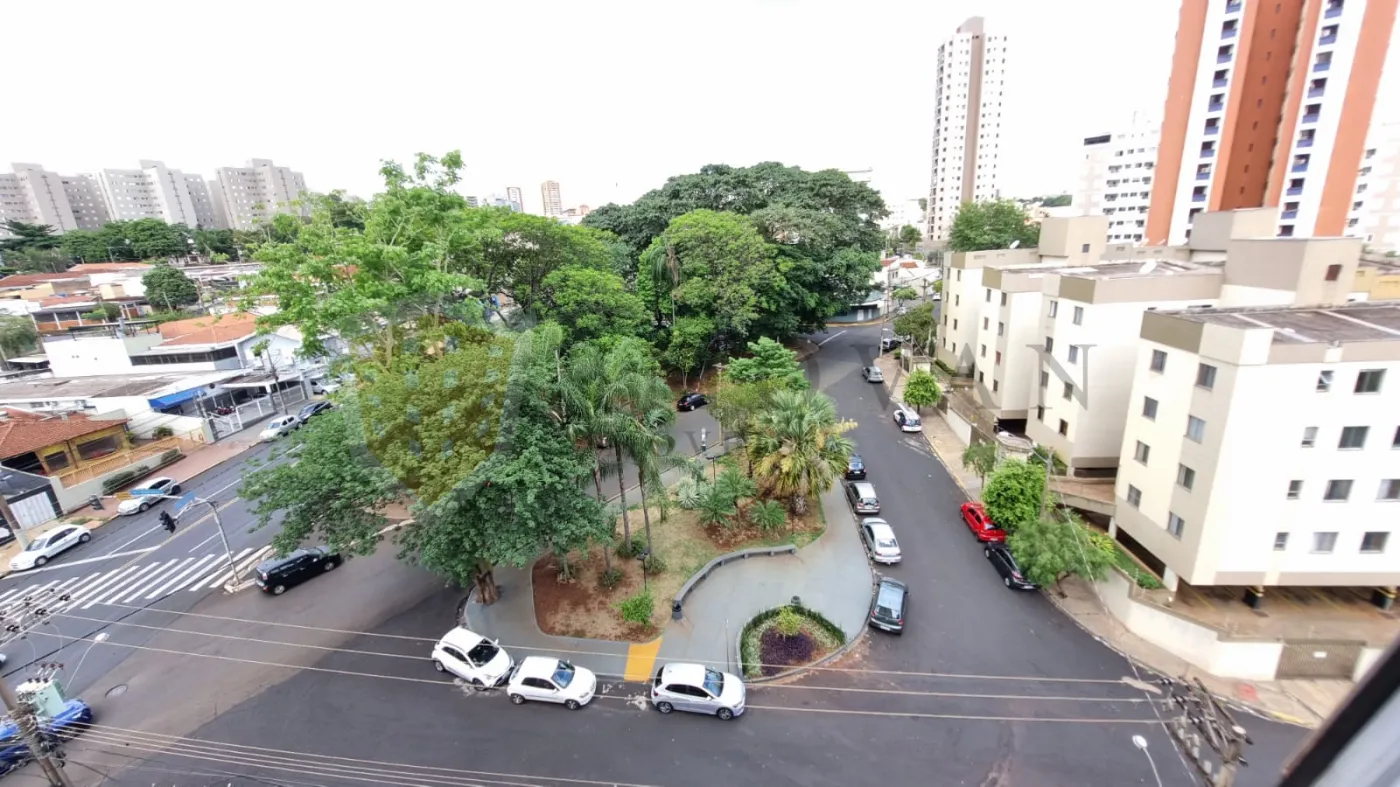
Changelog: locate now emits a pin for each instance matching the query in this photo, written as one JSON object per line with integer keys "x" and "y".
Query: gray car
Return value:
{"x": 697, "y": 689}
{"x": 872, "y": 374}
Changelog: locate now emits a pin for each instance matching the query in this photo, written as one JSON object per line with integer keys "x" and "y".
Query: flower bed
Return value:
{"x": 785, "y": 638}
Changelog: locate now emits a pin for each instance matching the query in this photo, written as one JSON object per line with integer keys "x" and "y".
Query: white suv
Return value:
{"x": 473, "y": 658}
{"x": 908, "y": 420}
{"x": 545, "y": 679}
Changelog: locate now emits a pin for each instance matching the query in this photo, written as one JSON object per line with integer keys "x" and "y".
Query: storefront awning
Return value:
{"x": 170, "y": 400}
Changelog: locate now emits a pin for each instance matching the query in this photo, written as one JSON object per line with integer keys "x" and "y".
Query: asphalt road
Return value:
{"x": 987, "y": 687}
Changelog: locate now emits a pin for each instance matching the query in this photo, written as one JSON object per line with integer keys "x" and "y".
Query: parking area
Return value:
{"x": 1340, "y": 613}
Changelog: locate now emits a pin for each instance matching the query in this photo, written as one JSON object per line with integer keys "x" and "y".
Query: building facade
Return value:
{"x": 34, "y": 195}
{"x": 1375, "y": 214}
{"x": 553, "y": 202}
{"x": 155, "y": 191}
{"x": 246, "y": 197}
{"x": 1115, "y": 178}
{"x": 966, "y": 124}
{"x": 516, "y": 198}
{"x": 1268, "y": 104}
{"x": 84, "y": 194}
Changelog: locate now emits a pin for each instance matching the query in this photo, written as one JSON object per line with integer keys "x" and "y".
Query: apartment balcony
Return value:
{"x": 1332, "y": 12}
{"x": 1319, "y": 68}
{"x": 1221, "y": 82}
{"x": 1216, "y": 106}
{"x": 1316, "y": 92}
{"x": 1198, "y": 197}
{"x": 1234, "y": 6}
{"x": 1330, "y": 38}
{"x": 1229, "y": 33}
{"x": 1311, "y": 117}
{"x": 1202, "y": 176}
{"x": 1212, "y": 130}
{"x": 1294, "y": 191}
{"x": 1222, "y": 59}
{"x": 1209, "y": 153}
{"x": 1299, "y": 168}
{"x": 1289, "y": 215}
{"x": 1306, "y": 142}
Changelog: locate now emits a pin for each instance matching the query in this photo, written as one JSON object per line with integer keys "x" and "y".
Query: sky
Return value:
{"x": 608, "y": 98}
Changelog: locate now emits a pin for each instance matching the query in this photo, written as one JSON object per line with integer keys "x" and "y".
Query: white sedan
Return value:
{"x": 545, "y": 679}
{"x": 44, "y": 547}
{"x": 473, "y": 658}
{"x": 279, "y": 426}
{"x": 138, "y": 503}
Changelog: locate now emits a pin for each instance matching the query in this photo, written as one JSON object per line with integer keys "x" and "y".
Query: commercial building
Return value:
{"x": 1115, "y": 178}
{"x": 246, "y": 197}
{"x": 1268, "y": 104}
{"x": 34, "y": 195}
{"x": 516, "y": 198}
{"x": 1375, "y": 213}
{"x": 553, "y": 202}
{"x": 155, "y": 191}
{"x": 966, "y": 124}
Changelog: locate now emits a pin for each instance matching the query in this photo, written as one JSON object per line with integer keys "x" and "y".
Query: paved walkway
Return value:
{"x": 831, "y": 575}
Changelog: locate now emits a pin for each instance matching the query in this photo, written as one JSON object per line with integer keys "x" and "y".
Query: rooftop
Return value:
{"x": 1118, "y": 269}
{"x": 31, "y": 279}
{"x": 110, "y": 267}
{"x": 1376, "y": 321}
{"x": 218, "y": 329}
{"x": 22, "y": 431}
{"x": 34, "y": 389}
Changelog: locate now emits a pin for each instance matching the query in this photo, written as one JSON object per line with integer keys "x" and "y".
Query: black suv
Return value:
{"x": 889, "y": 606}
{"x": 1001, "y": 559}
{"x": 312, "y": 410}
{"x": 277, "y": 574}
{"x": 855, "y": 467}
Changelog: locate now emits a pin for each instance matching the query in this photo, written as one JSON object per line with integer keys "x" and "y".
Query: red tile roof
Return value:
{"x": 31, "y": 279}
{"x": 109, "y": 267}
{"x": 22, "y": 431}
{"x": 909, "y": 264}
{"x": 215, "y": 329}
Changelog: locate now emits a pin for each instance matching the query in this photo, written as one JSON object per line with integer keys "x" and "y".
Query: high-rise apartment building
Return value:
{"x": 516, "y": 198}
{"x": 84, "y": 194}
{"x": 553, "y": 203}
{"x": 247, "y": 196}
{"x": 1115, "y": 178}
{"x": 155, "y": 191}
{"x": 34, "y": 195}
{"x": 1375, "y": 214}
{"x": 1268, "y": 104}
{"x": 966, "y": 124}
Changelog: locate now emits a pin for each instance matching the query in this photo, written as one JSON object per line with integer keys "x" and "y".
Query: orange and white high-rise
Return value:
{"x": 1269, "y": 104}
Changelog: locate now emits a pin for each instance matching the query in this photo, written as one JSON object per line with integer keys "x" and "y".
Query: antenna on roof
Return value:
{"x": 1014, "y": 244}
{"x": 1148, "y": 267}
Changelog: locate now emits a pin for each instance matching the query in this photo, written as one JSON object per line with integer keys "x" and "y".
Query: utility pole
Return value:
{"x": 1204, "y": 720}
{"x": 16, "y": 621}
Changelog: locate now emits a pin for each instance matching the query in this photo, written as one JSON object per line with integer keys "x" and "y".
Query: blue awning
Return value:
{"x": 170, "y": 400}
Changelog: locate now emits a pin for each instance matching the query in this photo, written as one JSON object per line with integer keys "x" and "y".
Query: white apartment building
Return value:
{"x": 516, "y": 198}
{"x": 553, "y": 202}
{"x": 966, "y": 124}
{"x": 34, "y": 195}
{"x": 84, "y": 194}
{"x": 1263, "y": 445}
{"x": 245, "y": 197}
{"x": 155, "y": 191}
{"x": 1115, "y": 178}
{"x": 1375, "y": 210}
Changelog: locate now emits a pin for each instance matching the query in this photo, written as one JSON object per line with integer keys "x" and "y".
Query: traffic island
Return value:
{"x": 780, "y": 641}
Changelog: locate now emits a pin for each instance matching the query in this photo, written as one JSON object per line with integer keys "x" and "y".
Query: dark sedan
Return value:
{"x": 890, "y": 604}
{"x": 1005, "y": 563}
{"x": 855, "y": 467}
{"x": 277, "y": 574}
{"x": 311, "y": 410}
{"x": 690, "y": 401}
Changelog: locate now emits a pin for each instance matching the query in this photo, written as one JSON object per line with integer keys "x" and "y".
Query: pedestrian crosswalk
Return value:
{"x": 134, "y": 584}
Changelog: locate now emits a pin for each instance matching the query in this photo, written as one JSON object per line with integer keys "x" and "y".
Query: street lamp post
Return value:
{"x": 1141, "y": 743}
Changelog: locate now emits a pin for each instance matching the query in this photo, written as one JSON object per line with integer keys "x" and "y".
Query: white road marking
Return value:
{"x": 196, "y": 547}
{"x": 4, "y": 597}
{"x": 96, "y": 586}
{"x": 134, "y": 539}
{"x": 149, "y": 580}
{"x": 184, "y": 576}
{"x": 119, "y": 588}
{"x": 829, "y": 338}
{"x": 86, "y": 560}
{"x": 239, "y": 568}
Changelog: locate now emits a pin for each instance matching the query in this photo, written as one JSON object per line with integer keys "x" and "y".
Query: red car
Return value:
{"x": 981, "y": 526}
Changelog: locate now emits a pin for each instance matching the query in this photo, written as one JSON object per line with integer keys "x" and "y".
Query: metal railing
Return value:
{"x": 99, "y": 467}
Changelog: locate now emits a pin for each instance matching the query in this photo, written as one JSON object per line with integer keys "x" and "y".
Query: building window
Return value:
{"x": 996, "y": 386}
{"x": 1390, "y": 489}
{"x": 1334, "y": 272}
{"x": 1001, "y": 329}
{"x": 1142, "y": 451}
{"x": 1069, "y": 390}
{"x": 1295, "y": 489}
{"x": 1369, "y": 381}
{"x": 1040, "y": 413}
{"x": 1175, "y": 524}
{"x": 1280, "y": 541}
{"x": 998, "y": 357}
{"x": 1054, "y": 308}
{"x": 1079, "y": 315}
{"x": 1185, "y": 476}
{"x": 981, "y": 377}
{"x": 1195, "y": 428}
{"x": 1074, "y": 353}
{"x": 1045, "y": 380}
{"x": 1324, "y": 381}
{"x": 1324, "y": 543}
{"x": 1003, "y": 299}
{"x": 984, "y": 351}
{"x": 1353, "y": 437}
{"x": 955, "y": 324}
{"x": 1149, "y": 408}
{"x": 1395, "y": 441}
{"x": 1374, "y": 542}
{"x": 985, "y": 323}
{"x": 1049, "y": 344}
{"x": 1134, "y": 496}
{"x": 989, "y": 295}
{"x": 1064, "y": 427}
{"x": 1309, "y": 436}
{"x": 1159, "y": 361}
{"x": 1205, "y": 376}
{"x": 957, "y": 300}
{"x": 1338, "y": 490}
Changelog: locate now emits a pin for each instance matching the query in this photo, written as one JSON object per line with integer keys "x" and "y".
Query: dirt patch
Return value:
{"x": 581, "y": 607}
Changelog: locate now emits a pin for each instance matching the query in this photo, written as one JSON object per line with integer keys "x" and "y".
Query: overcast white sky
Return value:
{"x": 608, "y": 98}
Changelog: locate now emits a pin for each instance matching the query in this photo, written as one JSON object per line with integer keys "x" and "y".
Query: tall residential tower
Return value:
{"x": 966, "y": 124}
{"x": 553, "y": 203}
{"x": 1269, "y": 104}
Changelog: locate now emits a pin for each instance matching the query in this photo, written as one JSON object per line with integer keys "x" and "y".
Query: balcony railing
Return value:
{"x": 1311, "y": 117}
{"x": 1198, "y": 197}
{"x": 1215, "y": 106}
{"x": 1294, "y": 191}
{"x": 1208, "y": 153}
{"x": 1305, "y": 142}
{"x": 1321, "y": 67}
{"x": 1221, "y": 82}
{"x": 1229, "y": 32}
{"x": 1212, "y": 130}
{"x": 1330, "y": 38}
{"x": 1316, "y": 92}
{"x": 1219, "y": 59}
{"x": 1303, "y": 167}
{"x": 1202, "y": 176}
{"x": 1288, "y": 214}
{"x": 1332, "y": 12}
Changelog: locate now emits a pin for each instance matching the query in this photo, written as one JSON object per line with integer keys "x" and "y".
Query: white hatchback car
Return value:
{"x": 473, "y": 658}
{"x": 279, "y": 426}
{"x": 880, "y": 541}
{"x": 546, "y": 679}
{"x": 697, "y": 689}
{"x": 44, "y": 547}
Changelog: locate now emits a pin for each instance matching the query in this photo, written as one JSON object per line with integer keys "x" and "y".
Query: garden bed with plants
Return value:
{"x": 699, "y": 522}
{"x": 786, "y": 638}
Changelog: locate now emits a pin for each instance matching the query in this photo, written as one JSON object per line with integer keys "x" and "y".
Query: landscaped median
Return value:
{"x": 786, "y": 639}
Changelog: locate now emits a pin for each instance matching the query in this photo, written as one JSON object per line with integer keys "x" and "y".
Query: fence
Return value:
{"x": 121, "y": 459}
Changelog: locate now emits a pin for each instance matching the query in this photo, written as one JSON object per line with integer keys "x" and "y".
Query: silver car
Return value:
{"x": 697, "y": 689}
{"x": 880, "y": 541}
{"x": 872, "y": 374}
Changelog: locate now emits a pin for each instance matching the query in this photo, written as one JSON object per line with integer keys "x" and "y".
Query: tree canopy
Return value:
{"x": 921, "y": 389}
{"x": 1013, "y": 494}
{"x": 917, "y": 327}
{"x": 1049, "y": 549}
{"x": 767, "y": 360}
{"x": 980, "y": 226}
{"x": 127, "y": 241}
{"x": 169, "y": 287}
{"x": 25, "y": 236}
{"x": 591, "y": 304}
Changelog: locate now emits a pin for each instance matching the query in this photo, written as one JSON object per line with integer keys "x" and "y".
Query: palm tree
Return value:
{"x": 797, "y": 446}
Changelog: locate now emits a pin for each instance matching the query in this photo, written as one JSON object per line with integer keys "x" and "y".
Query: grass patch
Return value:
{"x": 825, "y": 637}
{"x": 1145, "y": 579}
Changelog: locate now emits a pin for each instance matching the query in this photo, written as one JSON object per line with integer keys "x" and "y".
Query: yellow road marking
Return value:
{"x": 640, "y": 659}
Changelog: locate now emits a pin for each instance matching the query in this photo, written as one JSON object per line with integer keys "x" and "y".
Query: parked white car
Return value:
{"x": 880, "y": 541}
{"x": 279, "y": 426}
{"x": 473, "y": 658}
{"x": 45, "y": 547}
{"x": 546, "y": 679}
{"x": 139, "y": 503}
{"x": 697, "y": 689}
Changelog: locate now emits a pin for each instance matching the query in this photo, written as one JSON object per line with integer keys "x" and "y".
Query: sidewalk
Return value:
{"x": 831, "y": 576}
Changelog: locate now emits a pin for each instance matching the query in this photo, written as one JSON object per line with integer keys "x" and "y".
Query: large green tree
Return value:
{"x": 1014, "y": 493}
{"x": 798, "y": 446}
{"x": 38, "y": 260}
{"x": 918, "y": 328}
{"x": 591, "y": 304}
{"x": 24, "y": 235}
{"x": 169, "y": 288}
{"x": 767, "y": 360}
{"x": 980, "y": 226}
{"x": 1051, "y": 548}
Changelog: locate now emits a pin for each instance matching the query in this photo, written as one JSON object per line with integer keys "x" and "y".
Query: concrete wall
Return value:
{"x": 960, "y": 427}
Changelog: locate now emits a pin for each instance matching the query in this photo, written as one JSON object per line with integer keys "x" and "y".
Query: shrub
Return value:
{"x": 1103, "y": 542}
{"x": 609, "y": 579}
{"x": 654, "y": 564}
{"x": 170, "y": 456}
{"x": 633, "y": 548}
{"x": 162, "y": 432}
{"x": 115, "y": 482}
{"x": 768, "y": 515}
{"x": 689, "y": 492}
{"x": 638, "y": 608}
{"x": 789, "y": 622}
